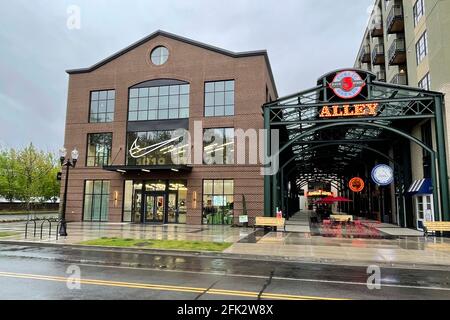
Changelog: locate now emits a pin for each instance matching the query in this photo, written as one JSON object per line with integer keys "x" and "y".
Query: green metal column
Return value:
{"x": 282, "y": 191}
{"x": 267, "y": 180}
{"x": 274, "y": 194}
{"x": 436, "y": 206}
{"x": 442, "y": 160}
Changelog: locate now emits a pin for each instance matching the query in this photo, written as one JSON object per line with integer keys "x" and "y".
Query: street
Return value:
{"x": 33, "y": 272}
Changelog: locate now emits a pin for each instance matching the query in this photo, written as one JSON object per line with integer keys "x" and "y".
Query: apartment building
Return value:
{"x": 407, "y": 43}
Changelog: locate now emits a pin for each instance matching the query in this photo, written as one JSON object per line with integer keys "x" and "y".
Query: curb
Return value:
{"x": 221, "y": 255}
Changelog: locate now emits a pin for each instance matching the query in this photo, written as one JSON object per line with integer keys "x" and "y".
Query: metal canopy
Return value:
{"x": 319, "y": 148}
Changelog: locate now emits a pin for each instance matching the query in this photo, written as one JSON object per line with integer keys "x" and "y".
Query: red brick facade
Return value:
{"x": 189, "y": 62}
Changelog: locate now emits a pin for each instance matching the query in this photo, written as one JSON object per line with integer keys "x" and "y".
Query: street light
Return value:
{"x": 68, "y": 163}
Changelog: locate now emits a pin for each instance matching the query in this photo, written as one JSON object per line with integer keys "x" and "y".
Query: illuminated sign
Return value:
{"x": 138, "y": 152}
{"x": 347, "y": 84}
{"x": 356, "y": 184}
{"x": 383, "y": 175}
{"x": 365, "y": 109}
{"x": 319, "y": 193}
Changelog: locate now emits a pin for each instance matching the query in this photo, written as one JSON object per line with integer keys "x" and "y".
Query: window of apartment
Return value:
{"x": 99, "y": 149}
{"x": 218, "y": 202}
{"x": 425, "y": 82}
{"x": 419, "y": 11}
{"x": 218, "y": 146}
{"x": 219, "y": 98}
{"x": 153, "y": 148}
{"x": 96, "y": 200}
{"x": 159, "y": 103}
{"x": 102, "y": 106}
{"x": 421, "y": 48}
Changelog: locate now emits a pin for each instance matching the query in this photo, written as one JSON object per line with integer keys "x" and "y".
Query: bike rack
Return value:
{"x": 49, "y": 227}
{"x": 57, "y": 228}
{"x": 34, "y": 229}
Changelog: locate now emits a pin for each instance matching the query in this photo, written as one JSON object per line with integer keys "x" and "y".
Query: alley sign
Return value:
{"x": 365, "y": 109}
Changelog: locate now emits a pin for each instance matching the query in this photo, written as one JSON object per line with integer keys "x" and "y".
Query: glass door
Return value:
{"x": 424, "y": 210}
{"x": 154, "y": 207}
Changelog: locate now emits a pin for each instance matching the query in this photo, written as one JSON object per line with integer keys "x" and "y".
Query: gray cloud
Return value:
{"x": 304, "y": 38}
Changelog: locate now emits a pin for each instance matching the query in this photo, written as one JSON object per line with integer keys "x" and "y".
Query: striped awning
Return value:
{"x": 422, "y": 186}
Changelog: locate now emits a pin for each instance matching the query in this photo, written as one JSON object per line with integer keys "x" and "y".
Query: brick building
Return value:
{"x": 123, "y": 115}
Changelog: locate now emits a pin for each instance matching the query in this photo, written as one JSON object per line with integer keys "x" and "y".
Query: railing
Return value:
{"x": 376, "y": 29}
{"x": 397, "y": 46}
{"x": 395, "y": 13}
{"x": 365, "y": 54}
{"x": 381, "y": 76}
{"x": 400, "y": 78}
{"x": 378, "y": 50}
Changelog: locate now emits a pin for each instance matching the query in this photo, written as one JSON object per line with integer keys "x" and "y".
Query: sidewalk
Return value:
{"x": 396, "y": 247}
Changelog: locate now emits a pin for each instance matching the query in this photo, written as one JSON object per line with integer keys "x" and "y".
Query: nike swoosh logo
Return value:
{"x": 138, "y": 152}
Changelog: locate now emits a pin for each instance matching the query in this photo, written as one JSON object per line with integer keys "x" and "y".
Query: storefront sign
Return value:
{"x": 347, "y": 84}
{"x": 366, "y": 109}
{"x": 319, "y": 193}
{"x": 243, "y": 219}
{"x": 383, "y": 175}
{"x": 356, "y": 184}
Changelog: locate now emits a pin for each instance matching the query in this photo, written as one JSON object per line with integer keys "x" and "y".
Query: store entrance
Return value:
{"x": 155, "y": 201}
{"x": 154, "y": 207}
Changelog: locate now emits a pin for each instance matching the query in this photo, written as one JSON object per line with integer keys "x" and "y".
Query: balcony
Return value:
{"x": 381, "y": 76}
{"x": 400, "y": 78}
{"x": 395, "y": 21}
{"x": 365, "y": 55}
{"x": 397, "y": 52}
{"x": 377, "y": 30}
{"x": 378, "y": 55}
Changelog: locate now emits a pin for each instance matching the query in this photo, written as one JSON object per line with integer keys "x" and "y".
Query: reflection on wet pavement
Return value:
{"x": 366, "y": 242}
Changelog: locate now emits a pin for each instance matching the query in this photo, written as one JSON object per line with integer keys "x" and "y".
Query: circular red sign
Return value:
{"x": 356, "y": 184}
{"x": 347, "y": 84}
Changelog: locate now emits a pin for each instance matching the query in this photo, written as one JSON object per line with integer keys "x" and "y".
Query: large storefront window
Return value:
{"x": 156, "y": 148}
{"x": 218, "y": 202}
{"x": 96, "y": 200}
{"x": 218, "y": 146}
{"x": 155, "y": 201}
{"x": 159, "y": 103}
{"x": 99, "y": 149}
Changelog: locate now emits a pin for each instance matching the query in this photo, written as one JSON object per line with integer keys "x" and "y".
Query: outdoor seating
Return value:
{"x": 443, "y": 226}
{"x": 270, "y": 222}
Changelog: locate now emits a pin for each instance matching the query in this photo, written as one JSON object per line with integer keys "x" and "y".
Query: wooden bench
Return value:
{"x": 270, "y": 222}
{"x": 341, "y": 218}
{"x": 436, "y": 226}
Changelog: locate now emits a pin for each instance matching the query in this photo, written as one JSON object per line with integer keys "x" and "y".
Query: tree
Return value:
{"x": 28, "y": 175}
{"x": 35, "y": 172}
{"x": 9, "y": 186}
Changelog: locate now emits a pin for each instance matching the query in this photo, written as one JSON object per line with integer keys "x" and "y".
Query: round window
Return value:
{"x": 159, "y": 55}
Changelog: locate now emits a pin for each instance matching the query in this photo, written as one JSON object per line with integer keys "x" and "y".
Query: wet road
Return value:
{"x": 31, "y": 272}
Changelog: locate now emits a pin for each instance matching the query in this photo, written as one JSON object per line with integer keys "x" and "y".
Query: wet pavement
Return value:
{"x": 33, "y": 272}
{"x": 368, "y": 243}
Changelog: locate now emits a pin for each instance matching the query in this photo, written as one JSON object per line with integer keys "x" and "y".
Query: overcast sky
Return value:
{"x": 304, "y": 38}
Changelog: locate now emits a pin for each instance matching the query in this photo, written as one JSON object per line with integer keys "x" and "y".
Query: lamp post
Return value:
{"x": 68, "y": 163}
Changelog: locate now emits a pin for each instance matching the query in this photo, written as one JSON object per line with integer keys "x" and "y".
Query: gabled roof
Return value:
{"x": 182, "y": 39}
